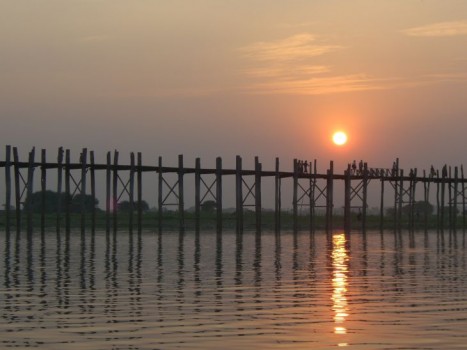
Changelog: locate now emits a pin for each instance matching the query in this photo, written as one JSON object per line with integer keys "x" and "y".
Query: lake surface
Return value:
{"x": 208, "y": 291}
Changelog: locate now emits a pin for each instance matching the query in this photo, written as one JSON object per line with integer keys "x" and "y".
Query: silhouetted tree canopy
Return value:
{"x": 53, "y": 199}
{"x": 208, "y": 206}
{"x": 126, "y": 207}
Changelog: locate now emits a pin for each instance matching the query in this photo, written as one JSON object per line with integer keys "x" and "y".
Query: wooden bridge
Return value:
{"x": 309, "y": 188}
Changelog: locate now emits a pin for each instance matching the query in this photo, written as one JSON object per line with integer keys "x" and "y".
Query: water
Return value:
{"x": 189, "y": 291}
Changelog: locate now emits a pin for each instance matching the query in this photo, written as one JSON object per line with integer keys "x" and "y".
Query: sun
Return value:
{"x": 339, "y": 138}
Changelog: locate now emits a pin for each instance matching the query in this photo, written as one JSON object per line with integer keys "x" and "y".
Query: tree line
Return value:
{"x": 52, "y": 200}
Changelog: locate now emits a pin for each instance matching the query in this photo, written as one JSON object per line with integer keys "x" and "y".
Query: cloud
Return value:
{"x": 440, "y": 29}
{"x": 293, "y": 48}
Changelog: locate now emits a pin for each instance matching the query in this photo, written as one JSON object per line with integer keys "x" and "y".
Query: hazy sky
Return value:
{"x": 214, "y": 78}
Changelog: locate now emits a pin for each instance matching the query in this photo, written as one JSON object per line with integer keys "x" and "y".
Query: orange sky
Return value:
{"x": 268, "y": 78}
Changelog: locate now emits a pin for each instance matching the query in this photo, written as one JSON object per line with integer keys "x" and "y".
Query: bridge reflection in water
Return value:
{"x": 339, "y": 283}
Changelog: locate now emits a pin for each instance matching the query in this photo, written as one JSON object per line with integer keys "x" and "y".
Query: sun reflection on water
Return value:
{"x": 339, "y": 283}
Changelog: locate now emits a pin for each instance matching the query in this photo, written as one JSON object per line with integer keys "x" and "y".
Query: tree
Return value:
{"x": 125, "y": 206}
{"x": 53, "y": 199}
{"x": 208, "y": 206}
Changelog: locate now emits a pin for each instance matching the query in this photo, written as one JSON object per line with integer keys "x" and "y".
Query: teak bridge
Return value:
{"x": 77, "y": 180}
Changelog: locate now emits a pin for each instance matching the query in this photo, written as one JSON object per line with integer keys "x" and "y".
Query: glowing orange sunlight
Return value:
{"x": 339, "y": 138}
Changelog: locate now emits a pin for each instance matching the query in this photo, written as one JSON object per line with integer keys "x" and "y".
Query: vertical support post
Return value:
{"x": 67, "y": 191}
{"x": 140, "y": 191}
{"x": 258, "y": 194}
{"x": 30, "y": 188}
{"x": 277, "y": 198}
{"x": 347, "y": 200}
{"x": 8, "y": 187}
{"x": 463, "y": 198}
{"x": 295, "y": 195}
{"x": 131, "y": 192}
{"x": 239, "y": 193}
{"x": 219, "y": 193}
{"x": 413, "y": 186}
{"x": 59, "y": 188}
{"x": 43, "y": 188}
{"x": 181, "y": 201}
{"x": 93, "y": 192}
{"x": 115, "y": 192}
{"x": 456, "y": 190}
{"x": 401, "y": 197}
{"x": 84, "y": 169}
{"x": 17, "y": 190}
{"x": 438, "y": 201}
{"x": 381, "y": 206}
{"x": 395, "y": 176}
{"x": 329, "y": 197}
{"x": 364, "y": 195}
{"x": 450, "y": 198}
{"x": 312, "y": 195}
{"x": 197, "y": 193}
{"x": 108, "y": 196}
{"x": 443, "y": 191}
{"x": 159, "y": 198}
{"x": 426, "y": 193}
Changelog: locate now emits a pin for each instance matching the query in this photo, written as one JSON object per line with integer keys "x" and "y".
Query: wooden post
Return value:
{"x": 401, "y": 197}
{"x": 364, "y": 195}
{"x": 140, "y": 191}
{"x": 295, "y": 195}
{"x": 329, "y": 197}
{"x": 93, "y": 192}
{"x": 30, "y": 190}
{"x": 381, "y": 206}
{"x": 159, "y": 198}
{"x": 181, "y": 201}
{"x": 450, "y": 198}
{"x": 239, "y": 193}
{"x": 463, "y": 198}
{"x": 347, "y": 200}
{"x": 115, "y": 192}
{"x": 426, "y": 195}
{"x": 131, "y": 192}
{"x": 84, "y": 169}
{"x": 258, "y": 194}
{"x": 67, "y": 191}
{"x": 43, "y": 188}
{"x": 59, "y": 188}
{"x": 313, "y": 196}
{"x": 395, "y": 176}
{"x": 443, "y": 191}
{"x": 277, "y": 198}
{"x": 438, "y": 202}
{"x": 456, "y": 190}
{"x": 108, "y": 196}
{"x": 219, "y": 193}
{"x": 17, "y": 190}
{"x": 197, "y": 193}
{"x": 8, "y": 188}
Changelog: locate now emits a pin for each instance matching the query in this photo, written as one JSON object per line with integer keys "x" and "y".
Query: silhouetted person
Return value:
{"x": 305, "y": 165}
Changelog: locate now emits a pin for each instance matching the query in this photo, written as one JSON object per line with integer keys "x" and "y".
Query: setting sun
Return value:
{"x": 339, "y": 138}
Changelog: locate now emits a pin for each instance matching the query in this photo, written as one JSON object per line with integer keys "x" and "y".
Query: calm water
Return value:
{"x": 189, "y": 291}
